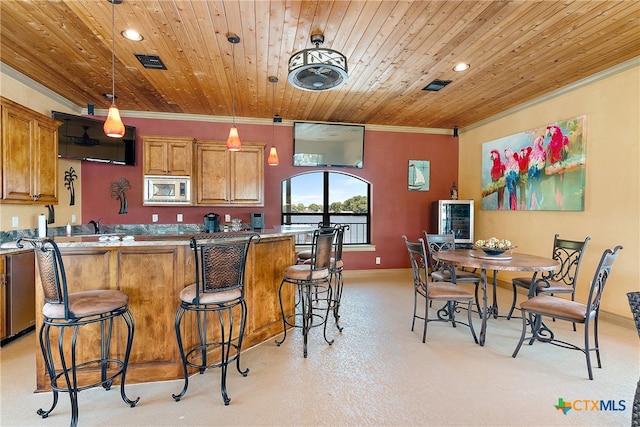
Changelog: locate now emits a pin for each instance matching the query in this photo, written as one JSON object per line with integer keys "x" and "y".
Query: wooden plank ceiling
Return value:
{"x": 518, "y": 50}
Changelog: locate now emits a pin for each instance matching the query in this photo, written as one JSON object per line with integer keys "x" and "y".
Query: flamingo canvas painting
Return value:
{"x": 539, "y": 169}
{"x": 418, "y": 175}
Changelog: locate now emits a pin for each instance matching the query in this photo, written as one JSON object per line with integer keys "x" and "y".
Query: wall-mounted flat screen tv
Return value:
{"x": 328, "y": 144}
{"x": 83, "y": 138}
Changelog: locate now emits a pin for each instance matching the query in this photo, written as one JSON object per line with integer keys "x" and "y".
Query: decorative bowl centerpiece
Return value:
{"x": 494, "y": 246}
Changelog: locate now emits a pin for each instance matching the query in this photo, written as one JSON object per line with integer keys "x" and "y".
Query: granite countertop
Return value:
{"x": 119, "y": 239}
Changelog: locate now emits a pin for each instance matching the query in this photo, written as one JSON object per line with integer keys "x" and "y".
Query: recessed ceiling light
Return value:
{"x": 461, "y": 67}
{"x": 132, "y": 35}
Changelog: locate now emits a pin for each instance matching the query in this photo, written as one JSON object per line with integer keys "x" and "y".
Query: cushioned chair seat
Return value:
{"x": 303, "y": 272}
{"x": 556, "y": 307}
{"x": 461, "y": 275}
{"x": 188, "y": 295}
{"x": 87, "y": 303}
{"x": 304, "y": 256}
{"x": 447, "y": 291}
{"x": 549, "y": 286}
{"x": 337, "y": 265}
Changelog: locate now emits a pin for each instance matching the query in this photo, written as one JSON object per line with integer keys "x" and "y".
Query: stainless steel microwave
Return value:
{"x": 167, "y": 190}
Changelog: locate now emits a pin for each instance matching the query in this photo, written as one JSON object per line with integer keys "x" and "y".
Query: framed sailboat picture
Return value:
{"x": 418, "y": 175}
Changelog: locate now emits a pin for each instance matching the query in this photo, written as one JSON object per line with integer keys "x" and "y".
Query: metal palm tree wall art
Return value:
{"x": 69, "y": 177}
{"x": 119, "y": 191}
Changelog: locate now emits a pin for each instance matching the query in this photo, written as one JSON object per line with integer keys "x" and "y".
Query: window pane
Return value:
{"x": 304, "y": 194}
{"x": 347, "y": 194}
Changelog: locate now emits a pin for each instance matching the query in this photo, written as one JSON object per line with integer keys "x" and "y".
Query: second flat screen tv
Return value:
{"x": 328, "y": 144}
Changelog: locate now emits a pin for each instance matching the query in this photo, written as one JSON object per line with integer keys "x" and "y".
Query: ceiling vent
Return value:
{"x": 150, "y": 61}
{"x": 436, "y": 85}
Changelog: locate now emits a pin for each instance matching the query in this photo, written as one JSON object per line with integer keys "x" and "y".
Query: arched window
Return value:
{"x": 329, "y": 197}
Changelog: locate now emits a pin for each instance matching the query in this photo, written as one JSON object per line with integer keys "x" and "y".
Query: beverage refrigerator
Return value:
{"x": 454, "y": 216}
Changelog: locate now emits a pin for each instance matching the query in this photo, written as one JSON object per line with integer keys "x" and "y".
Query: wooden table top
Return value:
{"x": 475, "y": 258}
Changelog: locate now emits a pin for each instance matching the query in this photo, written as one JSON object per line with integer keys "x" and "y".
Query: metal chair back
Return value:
{"x": 51, "y": 270}
{"x": 569, "y": 253}
{"x": 220, "y": 260}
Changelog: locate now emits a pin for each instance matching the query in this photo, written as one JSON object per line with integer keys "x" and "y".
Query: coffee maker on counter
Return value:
{"x": 211, "y": 223}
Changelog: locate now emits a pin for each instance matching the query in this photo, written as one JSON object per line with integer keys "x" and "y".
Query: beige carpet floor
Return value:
{"x": 376, "y": 373}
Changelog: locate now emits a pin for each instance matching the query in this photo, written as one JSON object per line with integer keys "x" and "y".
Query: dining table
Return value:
{"x": 507, "y": 261}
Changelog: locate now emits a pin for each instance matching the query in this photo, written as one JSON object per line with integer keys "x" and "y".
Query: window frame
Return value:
{"x": 326, "y": 216}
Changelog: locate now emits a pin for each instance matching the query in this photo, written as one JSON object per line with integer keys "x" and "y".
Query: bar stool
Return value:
{"x": 336, "y": 266}
{"x": 314, "y": 288}
{"x": 63, "y": 310}
{"x": 220, "y": 260}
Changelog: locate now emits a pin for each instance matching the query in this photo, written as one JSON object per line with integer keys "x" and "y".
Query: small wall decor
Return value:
{"x": 51, "y": 214}
{"x": 539, "y": 169}
{"x": 69, "y": 177}
{"x": 418, "y": 175}
{"x": 119, "y": 191}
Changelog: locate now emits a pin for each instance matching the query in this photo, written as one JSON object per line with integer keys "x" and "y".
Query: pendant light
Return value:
{"x": 113, "y": 126}
{"x": 273, "y": 159}
{"x": 233, "y": 142}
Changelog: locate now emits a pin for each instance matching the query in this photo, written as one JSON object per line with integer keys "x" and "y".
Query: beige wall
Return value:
{"x": 612, "y": 198}
{"x": 28, "y": 215}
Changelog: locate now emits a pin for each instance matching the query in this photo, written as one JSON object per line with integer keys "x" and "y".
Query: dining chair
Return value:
{"x": 634, "y": 304}
{"x": 447, "y": 292}
{"x": 314, "y": 292}
{"x": 69, "y": 311}
{"x": 534, "y": 309}
{"x": 219, "y": 262}
{"x": 443, "y": 272}
{"x": 561, "y": 281}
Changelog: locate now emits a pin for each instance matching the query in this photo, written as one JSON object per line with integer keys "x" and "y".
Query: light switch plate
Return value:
{"x": 15, "y": 222}
{"x": 154, "y": 217}
{"x": 73, "y": 218}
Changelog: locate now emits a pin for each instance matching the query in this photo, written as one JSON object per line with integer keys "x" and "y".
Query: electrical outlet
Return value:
{"x": 15, "y": 222}
{"x": 179, "y": 217}
{"x": 227, "y": 218}
{"x": 154, "y": 217}
{"x": 73, "y": 218}
{"x": 377, "y": 260}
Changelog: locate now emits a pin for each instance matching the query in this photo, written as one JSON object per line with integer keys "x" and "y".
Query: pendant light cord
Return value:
{"x": 233, "y": 76}
{"x": 273, "y": 110}
{"x": 113, "y": 52}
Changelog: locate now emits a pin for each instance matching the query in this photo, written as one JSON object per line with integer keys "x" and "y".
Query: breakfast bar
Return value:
{"x": 152, "y": 270}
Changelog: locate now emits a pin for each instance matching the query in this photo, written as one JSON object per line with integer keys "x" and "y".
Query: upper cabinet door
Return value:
{"x": 167, "y": 155}
{"x": 29, "y": 156}
{"x": 247, "y": 176}
{"x": 225, "y": 178}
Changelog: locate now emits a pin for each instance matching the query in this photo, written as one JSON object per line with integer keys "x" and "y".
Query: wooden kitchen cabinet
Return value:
{"x": 166, "y": 155}
{"x": 229, "y": 178}
{"x": 29, "y": 160}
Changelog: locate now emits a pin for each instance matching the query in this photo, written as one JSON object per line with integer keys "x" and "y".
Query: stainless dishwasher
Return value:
{"x": 20, "y": 292}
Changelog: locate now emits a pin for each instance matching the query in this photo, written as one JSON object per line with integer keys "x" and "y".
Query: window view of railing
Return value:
{"x": 357, "y": 233}
{"x": 330, "y": 198}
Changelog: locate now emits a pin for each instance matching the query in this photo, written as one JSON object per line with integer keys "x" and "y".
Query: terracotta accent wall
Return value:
{"x": 612, "y": 193}
{"x": 395, "y": 210}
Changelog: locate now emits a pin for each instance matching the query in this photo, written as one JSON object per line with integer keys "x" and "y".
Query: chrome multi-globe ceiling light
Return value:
{"x": 318, "y": 68}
